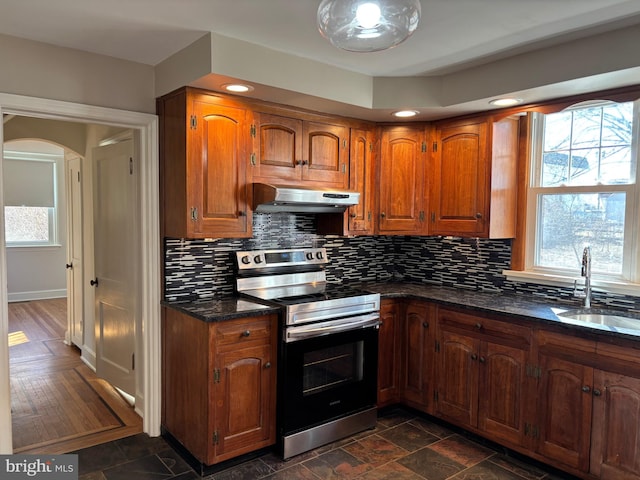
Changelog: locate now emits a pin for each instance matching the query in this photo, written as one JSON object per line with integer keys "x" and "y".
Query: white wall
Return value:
{"x": 39, "y": 70}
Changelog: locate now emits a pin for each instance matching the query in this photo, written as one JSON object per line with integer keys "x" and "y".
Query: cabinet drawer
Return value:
{"x": 503, "y": 331}
{"x": 241, "y": 332}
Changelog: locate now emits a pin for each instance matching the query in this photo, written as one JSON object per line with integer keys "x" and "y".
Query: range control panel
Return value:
{"x": 259, "y": 259}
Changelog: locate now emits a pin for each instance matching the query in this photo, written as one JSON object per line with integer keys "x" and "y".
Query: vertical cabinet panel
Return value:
{"x": 361, "y": 177}
{"x": 417, "y": 360}
{"x": 389, "y": 344}
{"x": 564, "y": 411}
{"x": 402, "y": 180}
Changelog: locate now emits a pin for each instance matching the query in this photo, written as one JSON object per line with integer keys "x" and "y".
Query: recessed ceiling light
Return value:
{"x": 405, "y": 113}
{"x": 237, "y": 88}
{"x": 505, "y": 102}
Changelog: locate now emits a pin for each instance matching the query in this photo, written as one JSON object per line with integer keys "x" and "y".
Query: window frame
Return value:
{"x": 523, "y": 263}
{"x": 53, "y": 212}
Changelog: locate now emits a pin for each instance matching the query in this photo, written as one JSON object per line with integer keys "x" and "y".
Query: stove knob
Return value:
{"x": 246, "y": 260}
{"x": 309, "y": 255}
{"x": 319, "y": 255}
{"x": 257, "y": 259}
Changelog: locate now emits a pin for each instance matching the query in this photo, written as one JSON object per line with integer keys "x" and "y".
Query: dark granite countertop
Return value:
{"x": 221, "y": 309}
{"x": 529, "y": 308}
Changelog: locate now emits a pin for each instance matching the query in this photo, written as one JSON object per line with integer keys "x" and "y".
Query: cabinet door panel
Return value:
{"x": 458, "y": 378}
{"x": 279, "y": 149}
{"x": 389, "y": 353}
{"x": 361, "y": 180}
{"x": 615, "y": 453}
{"x": 326, "y": 154}
{"x": 565, "y": 412}
{"x": 460, "y": 180}
{"x": 415, "y": 366}
{"x": 502, "y": 383}
{"x": 242, "y": 400}
{"x": 216, "y": 170}
{"x": 401, "y": 180}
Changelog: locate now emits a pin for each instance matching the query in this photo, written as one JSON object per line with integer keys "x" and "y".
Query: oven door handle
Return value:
{"x": 363, "y": 321}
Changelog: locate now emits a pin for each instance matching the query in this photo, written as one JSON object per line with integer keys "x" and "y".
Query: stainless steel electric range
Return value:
{"x": 328, "y": 352}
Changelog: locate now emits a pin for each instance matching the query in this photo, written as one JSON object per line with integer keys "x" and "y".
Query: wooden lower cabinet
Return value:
{"x": 417, "y": 354}
{"x": 219, "y": 386}
{"x": 481, "y": 374}
{"x": 589, "y": 410}
{"x": 389, "y": 344}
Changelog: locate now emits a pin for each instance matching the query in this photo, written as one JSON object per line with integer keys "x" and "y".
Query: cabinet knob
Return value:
{"x": 425, "y": 324}
{"x": 478, "y": 326}
{"x": 586, "y": 389}
{"x": 478, "y": 215}
{"x": 241, "y": 213}
{"x": 596, "y": 392}
{"x": 474, "y": 356}
{"x": 353, "y": 215}
{"x": 483, "y": 360}
{"x": 382, "y": 214}
{"x": 246, "y": 333}
{"x": 267, "y": 365}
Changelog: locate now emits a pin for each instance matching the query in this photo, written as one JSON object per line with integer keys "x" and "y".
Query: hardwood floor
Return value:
{"x": 58, "y": 405}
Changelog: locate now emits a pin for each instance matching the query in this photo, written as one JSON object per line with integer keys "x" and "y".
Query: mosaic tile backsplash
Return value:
{"x": 197, "y": 269}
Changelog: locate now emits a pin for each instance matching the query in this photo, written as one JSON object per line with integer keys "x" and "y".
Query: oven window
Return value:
{"x": 332, "y": 367}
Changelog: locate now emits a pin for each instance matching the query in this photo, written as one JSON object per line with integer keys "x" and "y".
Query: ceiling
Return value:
{"x": 453, "y": 35}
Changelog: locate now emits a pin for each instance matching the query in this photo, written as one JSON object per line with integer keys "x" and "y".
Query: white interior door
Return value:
{"x": 75, "y": 296}
{"x": 116, "y": 272}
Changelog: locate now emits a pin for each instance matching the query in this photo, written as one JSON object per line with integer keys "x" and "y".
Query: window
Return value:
{"x": 29, "y": 198}
{"x": 583, "y": 192}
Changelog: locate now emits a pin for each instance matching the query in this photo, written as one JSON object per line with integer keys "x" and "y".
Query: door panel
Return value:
{"x": 116, "y": 235}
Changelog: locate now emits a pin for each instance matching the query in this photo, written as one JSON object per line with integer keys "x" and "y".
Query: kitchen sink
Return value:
{"x": 613, "y": 319}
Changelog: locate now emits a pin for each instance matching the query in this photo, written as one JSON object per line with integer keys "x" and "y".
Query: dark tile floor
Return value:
{"x": 403, "y": 446}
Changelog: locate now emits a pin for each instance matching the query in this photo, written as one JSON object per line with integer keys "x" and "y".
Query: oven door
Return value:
{"x": 327, "y": 376}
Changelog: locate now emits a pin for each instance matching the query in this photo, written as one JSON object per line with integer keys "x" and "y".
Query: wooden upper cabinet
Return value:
{"x": 203, "y": 148}
{"x": 277, "y": 148}
{"x": 291, "y": 151}
{"x": 361, "y": 178}
{"x": 473, "y": 178}
{"x": 401, "y": 180}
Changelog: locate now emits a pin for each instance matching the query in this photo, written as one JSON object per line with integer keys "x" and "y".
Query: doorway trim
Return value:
{"x": 147, "y": 125}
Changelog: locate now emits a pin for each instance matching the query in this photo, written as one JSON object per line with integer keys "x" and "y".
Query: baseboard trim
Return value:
{"x": 37, "y": 295}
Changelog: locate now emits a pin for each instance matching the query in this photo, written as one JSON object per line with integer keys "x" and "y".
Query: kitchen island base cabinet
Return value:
{"x": 219, "y": 384}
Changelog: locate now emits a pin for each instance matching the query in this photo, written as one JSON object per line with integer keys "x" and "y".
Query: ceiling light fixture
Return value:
{"x": 505, "y": 102}
{"x": 237, "y": 87}
{"x": 405, "y": 113}
{"x": 367, "y": 25}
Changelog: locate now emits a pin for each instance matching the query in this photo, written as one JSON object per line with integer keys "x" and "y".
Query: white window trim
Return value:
{"x": 558, "y": 278}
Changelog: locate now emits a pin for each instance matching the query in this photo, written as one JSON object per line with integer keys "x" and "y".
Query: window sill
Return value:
{"x": 42, "y": 247}
{"x": 607, "y": 286}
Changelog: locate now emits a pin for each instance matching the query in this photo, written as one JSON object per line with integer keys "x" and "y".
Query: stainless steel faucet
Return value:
{"x": 586, "y": 273}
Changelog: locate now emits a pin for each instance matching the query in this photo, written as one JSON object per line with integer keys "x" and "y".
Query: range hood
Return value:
{"x": 269, "y": 198}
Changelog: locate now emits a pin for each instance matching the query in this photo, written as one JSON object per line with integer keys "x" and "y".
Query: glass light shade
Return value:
{"x": 367, "y": 25}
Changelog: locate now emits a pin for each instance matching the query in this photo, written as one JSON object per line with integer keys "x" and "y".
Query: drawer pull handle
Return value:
{"x": 246, "y": 333}
{"x": 478, "y": 326}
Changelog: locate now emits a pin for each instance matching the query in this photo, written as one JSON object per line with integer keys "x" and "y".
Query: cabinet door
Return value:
{"x": 278, "y": 149}
{"x": 360, "y": 217}
{"x": 502, "y": 391}
{"x": 615, "y": 445}
{"x": 457, "y": 394}
{"x": 402, "y": 178}
{"x": 389, "y": 352}
{"x": 325, "y": 154}
{"x": 243, "y": 401}
{"x": 415, "y": 371}
{"x": 459, "y": 180}
{"x": 216, "y": 170}
{"x": 564, "y": 411}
